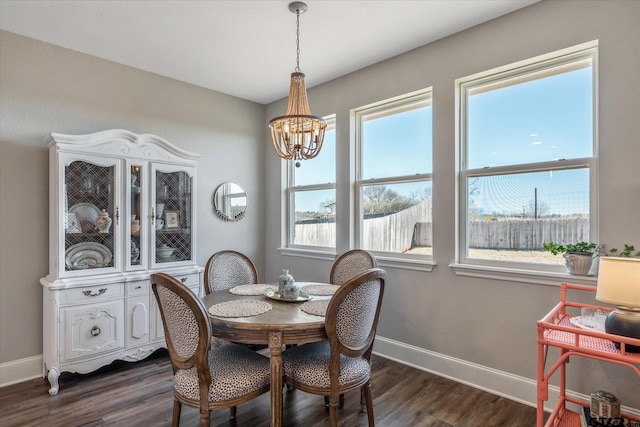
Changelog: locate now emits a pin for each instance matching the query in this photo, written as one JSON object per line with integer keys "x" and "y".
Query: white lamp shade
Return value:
{"x": 619, "y": 281}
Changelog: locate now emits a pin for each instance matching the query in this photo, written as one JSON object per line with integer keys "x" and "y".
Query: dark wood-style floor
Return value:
{"x": 141, "y": 394}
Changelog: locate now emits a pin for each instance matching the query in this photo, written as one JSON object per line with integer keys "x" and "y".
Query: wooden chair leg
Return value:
{"x": 333, "y": 411}
{"x": 363, "y": 401}
{"x": 232, "y": 413}
{"x": 340, "y": 402}
{"x": 367, "y": 395}
{"x": 205, "y": 419}
{"x": 177, "y": 407}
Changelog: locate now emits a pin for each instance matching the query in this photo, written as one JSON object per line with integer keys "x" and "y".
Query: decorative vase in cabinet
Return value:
{"x": 103, "y": 222}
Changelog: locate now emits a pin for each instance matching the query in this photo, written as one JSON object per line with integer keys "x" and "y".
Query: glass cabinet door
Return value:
{"x": 90, "y": 215}
{"x": 173, "y": 215}
{"x": 136, "y": 228}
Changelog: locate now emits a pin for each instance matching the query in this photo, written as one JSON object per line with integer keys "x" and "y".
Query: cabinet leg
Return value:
{"x": 53, "y": 376}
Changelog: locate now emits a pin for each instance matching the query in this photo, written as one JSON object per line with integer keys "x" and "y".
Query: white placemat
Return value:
{"x": 319, "y": 290}
{"x": 316, "y": 307}
{"x": 240, "y": 308}
{"x": 252, "y": 289}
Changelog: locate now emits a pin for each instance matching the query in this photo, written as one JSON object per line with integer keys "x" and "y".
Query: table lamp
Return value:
{"x": 619, "y": 284}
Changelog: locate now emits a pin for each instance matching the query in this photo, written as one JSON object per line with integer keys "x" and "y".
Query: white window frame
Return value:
{"x": 291, "y": 191}
{"x": 528, "y": 70}
{"x": 387, "y": 107}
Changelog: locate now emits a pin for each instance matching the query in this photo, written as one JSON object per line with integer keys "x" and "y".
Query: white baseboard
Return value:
{"x": 505, "y": 384}
{"x": 20, "y": 370}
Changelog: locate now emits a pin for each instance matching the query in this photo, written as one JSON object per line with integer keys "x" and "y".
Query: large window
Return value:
{"x": 312, "y": 196}
{"x": 527, "y": 160}
{"x": 394, "y": 176}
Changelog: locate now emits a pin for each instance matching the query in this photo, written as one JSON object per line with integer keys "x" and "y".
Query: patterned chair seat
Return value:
{"x": 217, "y": 342}
{"x": 309, "y": 364}
{"x": 235, "y": 372}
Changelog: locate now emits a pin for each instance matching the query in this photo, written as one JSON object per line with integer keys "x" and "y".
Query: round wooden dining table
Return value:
{"x": 284, "y": 324}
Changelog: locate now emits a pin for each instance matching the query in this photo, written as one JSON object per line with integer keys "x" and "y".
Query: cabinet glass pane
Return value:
{"x": 136, "y": 214}
{"x": 89, "y": 213}
{"x": 173, "y": 216}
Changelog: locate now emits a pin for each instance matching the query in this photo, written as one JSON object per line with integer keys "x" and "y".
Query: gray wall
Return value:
{"x": 44, "y": 89}
{"x": 487, "y": 322}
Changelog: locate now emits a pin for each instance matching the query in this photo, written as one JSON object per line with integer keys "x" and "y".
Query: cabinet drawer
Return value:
{"x": 139, "y": 287}
{"x": 92, "y": 329}
{"x": 91, "y": 294}
{"x": 189, "y": 280}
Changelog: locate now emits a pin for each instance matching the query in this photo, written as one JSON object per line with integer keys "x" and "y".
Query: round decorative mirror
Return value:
{"x": 230, "y": 201}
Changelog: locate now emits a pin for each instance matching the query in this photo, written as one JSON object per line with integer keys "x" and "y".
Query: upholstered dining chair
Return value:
{"x": 226, "y": 269}
{"x": 204, "y": 377}
{"x": 345, "y": 267}
{"x": 343, "y": 362}
{"x": 350, "y": 264}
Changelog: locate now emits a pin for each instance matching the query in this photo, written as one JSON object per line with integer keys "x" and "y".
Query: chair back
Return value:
{"x": 350, "y": 264}
{"x": 352, "y": 316}
{"x": 186, "y": 324}
{"x": 226, "y": 269}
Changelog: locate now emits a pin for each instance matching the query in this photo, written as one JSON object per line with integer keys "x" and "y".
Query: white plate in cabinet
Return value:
{"x": 92, "y": 329}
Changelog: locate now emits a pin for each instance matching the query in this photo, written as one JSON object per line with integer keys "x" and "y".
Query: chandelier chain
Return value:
{"x": 298, "y": 40}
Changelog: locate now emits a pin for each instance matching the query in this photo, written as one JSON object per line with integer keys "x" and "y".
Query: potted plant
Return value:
{"x": 628, "y": 251}
{"x": 578, "y": 256}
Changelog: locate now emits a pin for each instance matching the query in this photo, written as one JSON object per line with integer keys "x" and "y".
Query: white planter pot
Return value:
{"x": 578, "y": 263}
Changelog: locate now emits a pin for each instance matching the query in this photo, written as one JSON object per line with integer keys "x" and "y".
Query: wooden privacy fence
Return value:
{"x": 395, "y": 232}
{"x": 390, "y": 233}
{"x": 517, "y": 233}
{"x": 315, "y": 234}
{"x": 407, "y": 229}
{"x": 527, "y": 234}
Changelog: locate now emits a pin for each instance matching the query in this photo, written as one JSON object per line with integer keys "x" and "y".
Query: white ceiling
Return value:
{"x": 246, "y": 48}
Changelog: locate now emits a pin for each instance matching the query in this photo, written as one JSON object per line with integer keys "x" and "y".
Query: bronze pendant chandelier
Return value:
{"x": 298, "y": 134}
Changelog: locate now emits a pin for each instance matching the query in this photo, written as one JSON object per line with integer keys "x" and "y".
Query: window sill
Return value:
{"x": 383, "y": 261}
{"x": 327, "y": 255}
{"x": 520, "y": 275}
{"x": 406, "y": 263}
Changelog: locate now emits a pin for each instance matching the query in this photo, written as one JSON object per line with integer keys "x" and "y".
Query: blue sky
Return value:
{"x": 539, "y": 120}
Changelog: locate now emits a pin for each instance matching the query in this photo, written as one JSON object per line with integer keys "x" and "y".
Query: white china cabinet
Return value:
{"x": 122, "y": 206}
